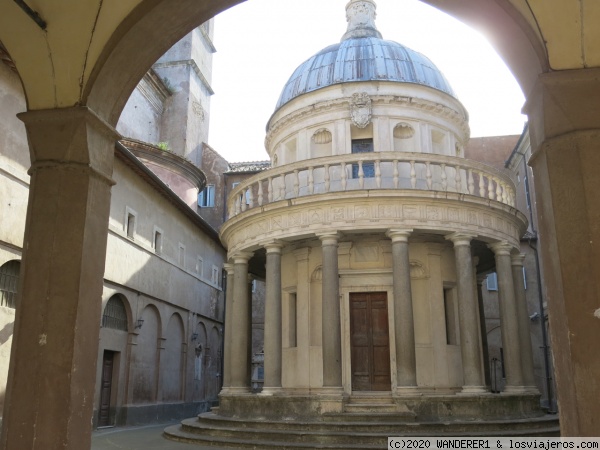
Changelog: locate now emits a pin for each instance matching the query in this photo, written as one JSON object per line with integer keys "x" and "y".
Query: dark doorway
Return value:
{"x": 106, "y": 388}
{"x": 370, "y": 342}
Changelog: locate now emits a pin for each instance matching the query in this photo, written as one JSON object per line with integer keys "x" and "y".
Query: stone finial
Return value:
{"x": 360, "y": 15}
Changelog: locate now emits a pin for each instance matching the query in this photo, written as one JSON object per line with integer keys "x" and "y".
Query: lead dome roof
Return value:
{"x": 363, "y": 55}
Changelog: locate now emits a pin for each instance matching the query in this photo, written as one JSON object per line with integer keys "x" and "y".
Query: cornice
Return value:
{"x": 441, "y": 110}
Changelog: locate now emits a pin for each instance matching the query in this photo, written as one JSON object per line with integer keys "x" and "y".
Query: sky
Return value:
{"x": 261, "y": 42}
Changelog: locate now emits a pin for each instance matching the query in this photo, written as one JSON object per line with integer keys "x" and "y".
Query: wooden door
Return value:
{"x": 106, "y": 388}
{"x": 370, "y": 342}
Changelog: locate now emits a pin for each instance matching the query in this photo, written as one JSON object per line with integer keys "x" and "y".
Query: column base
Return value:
{"x": 333, "y": 391}
{"x": 235, "y": 391}
{"x": 270, "y": 391}
{"x": 407, "y": 391}
{"x": 519, "y": 390}
{"x": 472, "y": 390}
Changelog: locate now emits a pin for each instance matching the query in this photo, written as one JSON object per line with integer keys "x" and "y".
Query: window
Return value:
{"x": 129, "y": 224}
{"x": 450, "y": 311}
{"x": 214, "y": 278}
{"x": 200, "y": 266}
{"x": 9, "y": 281}
{"x": 292, "y": 317}
{"x": 157, "y": 243}
{"x": 492, "y": 282}
{"x": 181, "y": 255}
{"x": 206, "y": 198}
{"x": 234, "y": 185}
{"x": 363, "y": 146}
{"x": 115, "y": 316}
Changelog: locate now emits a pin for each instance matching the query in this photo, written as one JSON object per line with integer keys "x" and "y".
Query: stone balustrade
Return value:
{"x": 372, "y": 171}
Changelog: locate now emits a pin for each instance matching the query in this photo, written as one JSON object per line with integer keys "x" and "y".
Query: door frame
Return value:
{"x": 371, "y": 280}
{"x": 379, "y": 297}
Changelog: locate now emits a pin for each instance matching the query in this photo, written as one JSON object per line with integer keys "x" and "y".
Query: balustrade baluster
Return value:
{"x": 260, "y": 193}
{"x": 471, "y": 183}
{"x": 361, "y": 175}
{"x": 250, "y": 195}
{"x": 428, "y": 176}
{"x": 490, "y": 188}
{"x": 327, "y": 182}
{"x": 282, "y": 187}
{"x": 270, "y": 190}
{"x": 481, "y": 185}
{"x": 498, "y": 190}
{"x": 238, "y": 205}
{"x": 444, "y": 178}
{"x": 413, "y": 175}
{"x": 344, "y": 176}
{"x": 296, "y": 184}
{"x": 458, "y": 180}
{"x": 396, "y": 174}
{"x": 311, "y": 181}
{"x": 243, "y": 200}
{"x": 378, "y": 173}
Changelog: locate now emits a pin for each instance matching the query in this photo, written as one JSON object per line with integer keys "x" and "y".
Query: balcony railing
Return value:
{"x": 372, "y": 171}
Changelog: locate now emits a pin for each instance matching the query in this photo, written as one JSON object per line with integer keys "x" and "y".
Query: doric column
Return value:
{"x": 523, "y": 321}
{"x": 564, "y": 125}
{"x": 228, "y": 326}
{"x": 508, "y": 318}
{"x": 240, "y": 321}
{"x": 273, "y": 335}
{"x": 468, "y": 315}
{"x": 484, "y": 340}
{"x": 406, "y": 366}
{"x": 55, "y": 340}
{"x": 331, "y": 330}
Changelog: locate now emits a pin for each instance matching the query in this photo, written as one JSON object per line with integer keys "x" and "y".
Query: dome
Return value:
{"x": 363, "y": 55}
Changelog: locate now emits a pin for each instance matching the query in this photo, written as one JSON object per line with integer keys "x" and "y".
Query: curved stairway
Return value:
{"x": 348, "y": 430}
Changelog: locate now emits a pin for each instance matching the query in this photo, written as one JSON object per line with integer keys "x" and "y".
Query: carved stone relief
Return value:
{"x": 360, "y": 106}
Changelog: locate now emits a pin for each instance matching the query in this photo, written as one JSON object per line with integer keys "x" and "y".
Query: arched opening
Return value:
{"x": 9, "y": 283}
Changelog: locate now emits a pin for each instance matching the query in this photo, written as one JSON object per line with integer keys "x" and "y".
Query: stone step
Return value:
{"x": 210, "y": 429}
{"x": 373, "y": 408}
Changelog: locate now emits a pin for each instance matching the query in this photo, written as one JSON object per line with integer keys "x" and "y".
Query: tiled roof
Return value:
{"x": 249, "y": 167}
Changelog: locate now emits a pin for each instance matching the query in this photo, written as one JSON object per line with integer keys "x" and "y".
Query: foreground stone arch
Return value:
{"x": 69, "y": 125}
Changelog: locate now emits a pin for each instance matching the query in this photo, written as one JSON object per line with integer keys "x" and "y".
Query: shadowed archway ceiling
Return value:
{"x": 92, "y": 46}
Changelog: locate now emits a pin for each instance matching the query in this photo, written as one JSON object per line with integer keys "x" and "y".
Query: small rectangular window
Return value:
{"x": 200, "y": 266}
{"x": 215, "y": 276}
{"x": 492, "y": 282}
{"x": 450, "y": 311}
{"x": 292, "y": 318}
{"x": 157, "y": 241}
{"x": 181, "y": 255}
{"x": 130, "y": 222}
{"x": 206, "y": 198}
{"x": 363, "y": 146}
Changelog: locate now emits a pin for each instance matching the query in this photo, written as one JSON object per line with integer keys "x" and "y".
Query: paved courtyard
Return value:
{"x": 139, "y": 438}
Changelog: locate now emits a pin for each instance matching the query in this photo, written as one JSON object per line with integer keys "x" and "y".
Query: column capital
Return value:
{"x": 274, "y": 246}
{"x": 501, "y": 248}
{"x": 302, "y": 253}
{"x": 228, "y": 267}
{"x": 517, "y": 259}
{"x": 60, "y": 139}
{"x": 481, "y": 278}
{"x": 242, "y": 257}
{"x": 459, "y": 239}
{"x": 399, "y": 234}
{"x": 331, "y": 238}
